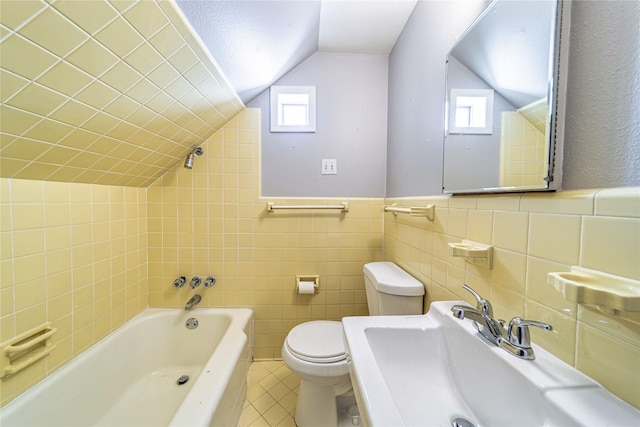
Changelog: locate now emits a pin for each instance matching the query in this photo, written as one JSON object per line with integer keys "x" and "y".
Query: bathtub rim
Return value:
{"x": 241, "y": 318}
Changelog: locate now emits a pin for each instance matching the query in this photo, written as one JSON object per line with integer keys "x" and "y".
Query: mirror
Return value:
{"x": 505, "y": 100}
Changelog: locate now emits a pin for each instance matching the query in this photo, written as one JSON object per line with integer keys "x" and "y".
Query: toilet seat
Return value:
{"x": 318, "y": 341}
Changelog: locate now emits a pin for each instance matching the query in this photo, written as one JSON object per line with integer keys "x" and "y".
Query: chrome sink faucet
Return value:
{"x": 514, "y": 339}
{"x": 518, "y": 341}
{"x": 485, "y": 324}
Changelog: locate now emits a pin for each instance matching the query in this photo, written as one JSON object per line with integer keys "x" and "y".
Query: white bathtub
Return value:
{"x": 130, "y": 377}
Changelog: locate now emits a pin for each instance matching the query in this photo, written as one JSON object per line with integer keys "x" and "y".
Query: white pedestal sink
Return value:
{"x": 432, "y": 369}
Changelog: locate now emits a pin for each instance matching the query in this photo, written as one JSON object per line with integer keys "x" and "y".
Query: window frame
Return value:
{"x": 275, "y": 108}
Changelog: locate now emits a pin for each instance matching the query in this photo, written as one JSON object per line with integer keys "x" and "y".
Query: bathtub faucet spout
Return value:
{"x": 192, "y": 302}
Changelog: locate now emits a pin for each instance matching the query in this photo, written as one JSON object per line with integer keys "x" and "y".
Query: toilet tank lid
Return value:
{"x": 391, "y": 279}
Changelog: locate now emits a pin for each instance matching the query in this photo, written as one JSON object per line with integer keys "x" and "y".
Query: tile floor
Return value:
{"x": 271, "y": 395}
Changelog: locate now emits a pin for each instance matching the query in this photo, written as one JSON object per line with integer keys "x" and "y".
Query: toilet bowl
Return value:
{"x": 315, "y": 350}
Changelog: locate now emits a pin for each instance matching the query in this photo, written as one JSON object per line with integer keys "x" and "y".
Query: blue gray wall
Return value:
{"x": 351, "y": 92}
{"x": 602, "y": 143}
{"x": 602, "y": 138}
{"x": 417, "y": 94}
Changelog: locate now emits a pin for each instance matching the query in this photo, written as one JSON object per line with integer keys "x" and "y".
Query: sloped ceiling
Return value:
{"x": 258, "y": 41}
{"x": 255, "y": 42}
{"x": 117, "y": 92}
{"x": 106, "y": 92}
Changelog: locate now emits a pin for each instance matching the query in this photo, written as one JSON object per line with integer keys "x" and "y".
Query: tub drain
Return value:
{"x": 461, "y": 422}
{"x": 182, "y": 380}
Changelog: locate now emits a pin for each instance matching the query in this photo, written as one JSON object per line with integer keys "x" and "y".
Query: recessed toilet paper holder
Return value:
{"x": 303, "y": 281}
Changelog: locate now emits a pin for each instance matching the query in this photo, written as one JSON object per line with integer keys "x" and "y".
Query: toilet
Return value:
{"x": 315, "y": 350}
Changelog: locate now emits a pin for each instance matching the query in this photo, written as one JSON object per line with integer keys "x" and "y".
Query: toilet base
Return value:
{"x": 317, "y": 405}
{"x": 348, "y": 413}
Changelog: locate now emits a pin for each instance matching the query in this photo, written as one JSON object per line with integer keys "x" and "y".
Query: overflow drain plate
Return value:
{"x": 192, "y": 323}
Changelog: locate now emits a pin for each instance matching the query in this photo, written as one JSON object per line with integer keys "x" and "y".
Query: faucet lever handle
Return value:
{"x": 481, "y": 303}
{"x": 518, "y": 331}
{"x": 195, "y": 281}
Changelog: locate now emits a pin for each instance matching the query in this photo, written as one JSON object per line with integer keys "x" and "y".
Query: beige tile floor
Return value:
{"x": 271, "y": 395}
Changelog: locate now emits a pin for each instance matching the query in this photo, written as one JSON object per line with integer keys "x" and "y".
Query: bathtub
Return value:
{"x": 130, "y": 378}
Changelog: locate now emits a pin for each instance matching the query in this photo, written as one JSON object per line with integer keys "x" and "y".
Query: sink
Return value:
{"x": 433, "y": 369}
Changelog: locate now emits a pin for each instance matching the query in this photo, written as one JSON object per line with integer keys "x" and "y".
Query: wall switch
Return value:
{"x": 329, "y": 167}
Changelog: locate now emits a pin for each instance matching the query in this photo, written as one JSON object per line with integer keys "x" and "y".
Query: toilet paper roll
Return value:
{"x": 306, "y": 288}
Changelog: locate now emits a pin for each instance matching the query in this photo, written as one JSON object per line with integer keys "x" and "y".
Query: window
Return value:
{"x": 471, "y": 111}
{"x": 293, "y": 109}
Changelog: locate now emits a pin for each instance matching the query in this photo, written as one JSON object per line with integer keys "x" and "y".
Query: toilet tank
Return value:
{"x": 391, "y": 290}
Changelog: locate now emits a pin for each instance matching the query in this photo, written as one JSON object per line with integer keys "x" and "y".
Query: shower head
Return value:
{"x": 188, "y": 162}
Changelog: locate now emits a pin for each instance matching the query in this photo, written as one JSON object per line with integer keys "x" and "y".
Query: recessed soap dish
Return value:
{"x": 473, "y": 252}
{"x": 608, "y": 292}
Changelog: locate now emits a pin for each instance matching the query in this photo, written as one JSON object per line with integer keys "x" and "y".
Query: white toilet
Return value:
{"x": 315, "y": 350}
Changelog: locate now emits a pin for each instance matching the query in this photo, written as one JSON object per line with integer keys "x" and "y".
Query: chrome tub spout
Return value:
{"x": 192, "y": 302}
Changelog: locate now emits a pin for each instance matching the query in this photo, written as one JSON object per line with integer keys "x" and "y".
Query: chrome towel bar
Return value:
{"x": 344, "y": 206}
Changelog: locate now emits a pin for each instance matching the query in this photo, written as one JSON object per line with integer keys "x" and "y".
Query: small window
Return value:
{"x": 471, "y": 111}
{"x": 293, "y": 109}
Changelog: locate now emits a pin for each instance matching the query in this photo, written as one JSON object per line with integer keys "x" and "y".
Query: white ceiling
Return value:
{"x": 256, "y": 42}
{"x": 362, "y": 26}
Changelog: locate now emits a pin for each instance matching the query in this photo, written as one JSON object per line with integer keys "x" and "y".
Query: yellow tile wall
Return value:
{"x": 534, "y": 234}
{"x": 105, "y": 92}
{"x": 76, "y": 254}
{"x": 211, "y": 220}
{"x": 71, "y": 254}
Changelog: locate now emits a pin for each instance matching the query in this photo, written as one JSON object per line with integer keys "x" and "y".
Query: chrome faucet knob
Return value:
{"x": 209, "y": 282}
{"x": 518, "y": 331}
{"x": 179, "y": 282}
{"x": 481, "y": 303}
{"x": 195, "y": 281}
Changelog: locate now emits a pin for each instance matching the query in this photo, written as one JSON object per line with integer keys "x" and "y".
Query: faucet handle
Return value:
{"x": 209, "y": 281}
{"x": 481, "y": 303}
{"x": 195, "y": 281}
{"x": 518, "y": 331}
{"x": 179, "y": 282}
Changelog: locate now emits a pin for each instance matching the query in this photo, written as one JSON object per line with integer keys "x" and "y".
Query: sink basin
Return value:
{"x": 432, "y": 369}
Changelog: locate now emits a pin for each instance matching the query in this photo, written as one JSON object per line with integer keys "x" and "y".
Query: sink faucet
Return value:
{"x": 192, "y": 302}
{"x": 490, "y": 328}
{"x": 481, "y": 303}
{"x": 514, "y": 339}
{"x": 518, "y": 341}
{"x": 487, "y": 326}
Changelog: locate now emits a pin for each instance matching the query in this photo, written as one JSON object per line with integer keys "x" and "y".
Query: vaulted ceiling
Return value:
{"x": 257, "y": 42}
{"x": 118, "y": 92}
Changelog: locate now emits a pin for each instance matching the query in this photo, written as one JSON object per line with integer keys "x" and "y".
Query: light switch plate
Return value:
{"x": 329, "y": 167}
